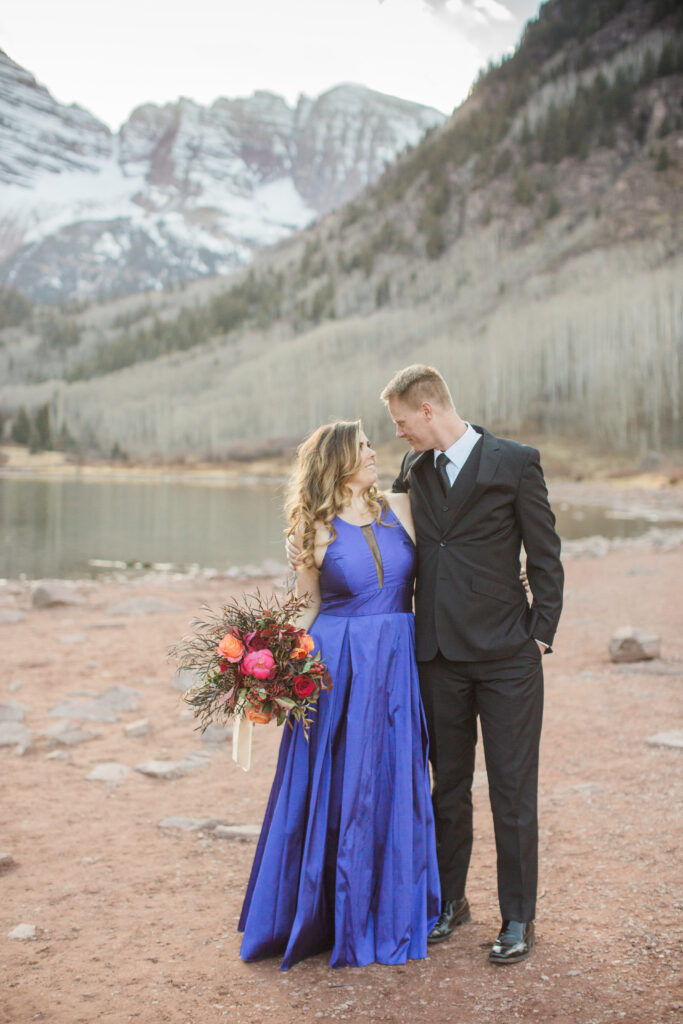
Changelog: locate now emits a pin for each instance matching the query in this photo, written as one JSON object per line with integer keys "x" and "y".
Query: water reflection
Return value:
{"x": 57, "y": 527}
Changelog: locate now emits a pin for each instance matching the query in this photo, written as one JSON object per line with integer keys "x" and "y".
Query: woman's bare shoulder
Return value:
{"x": 397, "y": 502}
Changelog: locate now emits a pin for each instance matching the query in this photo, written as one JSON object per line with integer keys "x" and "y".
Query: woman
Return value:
{"x": 347, "y": 856}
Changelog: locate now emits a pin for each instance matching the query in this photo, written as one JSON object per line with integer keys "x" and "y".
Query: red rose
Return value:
{"x": 256, "y": 641}
{"x": 303, "y": 686}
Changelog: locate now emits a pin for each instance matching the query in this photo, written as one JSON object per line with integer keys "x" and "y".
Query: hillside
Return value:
{"x": 530, "y": 247}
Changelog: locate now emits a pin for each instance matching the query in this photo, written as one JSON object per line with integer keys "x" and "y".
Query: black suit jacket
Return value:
{"x": 469, "y": 601}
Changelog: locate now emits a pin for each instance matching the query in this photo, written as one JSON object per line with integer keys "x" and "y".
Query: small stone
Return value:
{"x": 12, "y": 711}
{"x": 144, "y": 606}
{"x": 217, "y": 733}
{"x": 110, "y": 772}
{"x": 138, "y": 728}
{"x": 120, "y": 698}
{"x": 191, "y": 824}
{"x": 47, "y": 593}
{"x": 15, "y": 685}
{"x": 673, "y": 739}
{"x": 73, "y": 638}
{"x": 57, "y": 755}
{"x": 10, "y": 616}
{"x": 160, "y": 769}
{"x": 243, "y": 832}
{"x": 6, "y": 861}
{"x": 15, "y": 734}
{"x": 186, "y": 716}
{"x": 23, "y": 932}
{"x": 629, "y": 644}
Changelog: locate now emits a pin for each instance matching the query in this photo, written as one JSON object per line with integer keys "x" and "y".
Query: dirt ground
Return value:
{"x": 138, "y": 923}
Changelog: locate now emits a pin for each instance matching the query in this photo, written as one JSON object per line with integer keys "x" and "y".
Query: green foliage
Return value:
{"x": 41, "y": 434}
{"x": 383, "y": 292}
{"x": 554, "y": 206}
{"x": 255, "y": 299}
{"x": 322, "y": 304}
{"x": 524, "y": 191}
{"x": 58, "y": 331}
{"x": 21, "y": 427}
{"x": 15, "y": 308}
{"x": 663, "y": 161}
{"x": 435, "y": 242}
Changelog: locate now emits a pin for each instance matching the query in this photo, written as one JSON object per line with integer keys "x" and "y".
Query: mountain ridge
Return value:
{"x": 181, "y": 191}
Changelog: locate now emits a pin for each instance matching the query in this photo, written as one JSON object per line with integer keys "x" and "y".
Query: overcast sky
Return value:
{"x": 111, "y": 58}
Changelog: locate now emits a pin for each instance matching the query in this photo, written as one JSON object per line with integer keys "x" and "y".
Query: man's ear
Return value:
{"x": 427, "y": 411}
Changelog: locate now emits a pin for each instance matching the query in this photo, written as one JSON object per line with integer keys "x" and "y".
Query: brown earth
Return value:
{"x": 137, "y": 923}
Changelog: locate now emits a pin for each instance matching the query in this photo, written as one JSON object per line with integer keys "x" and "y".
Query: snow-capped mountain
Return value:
{"x": 181, "y": 191}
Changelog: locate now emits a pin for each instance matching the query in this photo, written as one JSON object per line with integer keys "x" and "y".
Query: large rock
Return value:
{"x": 10, "y": 616}
{"x": 104, "y": 708}
{"x": 629, "y": 644}
{"x": 672, "y": 739}
{"x": 68, "y": 734}
{"x": 23, "y": 932}
{"x": 92, "y": 710}
{"x": 47, "y": 593}
{"x": 12, "y": 711}
{"x": 120, "y": 698}
{"x": 144, "y": 606}
{"x": 15, "y": 734}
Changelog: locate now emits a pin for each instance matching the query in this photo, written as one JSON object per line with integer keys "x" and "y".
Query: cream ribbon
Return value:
{"x": 241, "y": 743}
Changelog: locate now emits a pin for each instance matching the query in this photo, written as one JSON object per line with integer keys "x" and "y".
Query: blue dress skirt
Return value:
{"x": 346, "y": 860}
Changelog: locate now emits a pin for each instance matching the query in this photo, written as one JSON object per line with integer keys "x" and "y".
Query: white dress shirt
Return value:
{"x": 458, "y": 452}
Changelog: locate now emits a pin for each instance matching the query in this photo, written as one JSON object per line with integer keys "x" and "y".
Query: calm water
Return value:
{"x": 59, "y": 528}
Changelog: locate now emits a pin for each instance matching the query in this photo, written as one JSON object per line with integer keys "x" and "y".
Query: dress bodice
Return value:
{"x": 368, "y": 570}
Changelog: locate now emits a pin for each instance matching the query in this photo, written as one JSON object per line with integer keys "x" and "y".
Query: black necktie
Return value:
{"x": 442, "y": 461}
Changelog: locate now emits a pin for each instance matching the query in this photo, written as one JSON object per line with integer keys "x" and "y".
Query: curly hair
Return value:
{"x": 318, "y": 489}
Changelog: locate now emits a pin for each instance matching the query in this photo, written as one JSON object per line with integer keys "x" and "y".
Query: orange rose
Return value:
{"x": 305, "y": 645}
{"x": 231, "y": 648}
{"x": 257, "y": 716}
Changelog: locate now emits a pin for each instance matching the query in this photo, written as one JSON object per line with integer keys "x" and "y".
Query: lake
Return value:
{"x": 82, "y": 528}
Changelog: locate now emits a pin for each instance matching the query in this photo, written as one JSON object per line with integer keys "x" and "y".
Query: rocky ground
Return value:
{"x": 111, "y": 912}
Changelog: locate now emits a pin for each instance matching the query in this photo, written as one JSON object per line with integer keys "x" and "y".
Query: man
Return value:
{"x": 475, "y": 499}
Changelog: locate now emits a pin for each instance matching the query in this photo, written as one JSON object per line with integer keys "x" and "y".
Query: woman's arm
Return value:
{"x": 400, "y": 506}
{"x": 308, "y": 577}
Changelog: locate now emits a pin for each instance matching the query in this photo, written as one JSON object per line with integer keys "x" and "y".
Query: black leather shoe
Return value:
{"x": 453, "y": 913}
{"x": 513, "y": 943}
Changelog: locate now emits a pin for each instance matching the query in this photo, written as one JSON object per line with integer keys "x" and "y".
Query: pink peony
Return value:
{"x": 259, "y": 664}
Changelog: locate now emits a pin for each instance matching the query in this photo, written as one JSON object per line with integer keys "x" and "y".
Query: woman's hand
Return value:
{"x": 524, "y": 581}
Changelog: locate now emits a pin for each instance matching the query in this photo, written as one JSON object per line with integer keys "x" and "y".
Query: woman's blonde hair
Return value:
{"x": 318, "y": 489}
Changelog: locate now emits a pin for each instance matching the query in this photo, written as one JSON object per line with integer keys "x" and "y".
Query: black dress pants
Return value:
{"x": 507, "y": 695}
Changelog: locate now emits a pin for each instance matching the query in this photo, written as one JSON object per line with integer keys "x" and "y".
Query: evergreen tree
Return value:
{"x": 21, "y": 427}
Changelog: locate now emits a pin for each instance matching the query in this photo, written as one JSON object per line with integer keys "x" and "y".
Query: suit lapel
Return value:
{"x": 418, "y": 477}
{"x": 489, "y": 457}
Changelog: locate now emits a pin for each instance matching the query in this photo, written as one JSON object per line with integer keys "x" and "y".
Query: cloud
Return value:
{"x": 470, "y": 13}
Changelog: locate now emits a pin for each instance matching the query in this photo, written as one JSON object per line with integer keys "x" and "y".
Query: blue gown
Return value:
{"x": 347, "y": 856}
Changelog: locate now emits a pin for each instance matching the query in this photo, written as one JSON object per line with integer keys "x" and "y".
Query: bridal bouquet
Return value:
{"x": 252, "y": 662}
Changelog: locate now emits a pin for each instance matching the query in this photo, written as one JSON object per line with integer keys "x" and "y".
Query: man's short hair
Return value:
{"x": 417, "y": 384}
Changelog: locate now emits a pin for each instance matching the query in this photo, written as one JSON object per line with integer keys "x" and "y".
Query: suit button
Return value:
{"x": 443, "y": 543}
{"x": 445, "y": 508}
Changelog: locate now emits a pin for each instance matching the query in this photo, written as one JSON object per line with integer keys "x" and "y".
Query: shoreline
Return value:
{"x": 560, "y": 468}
